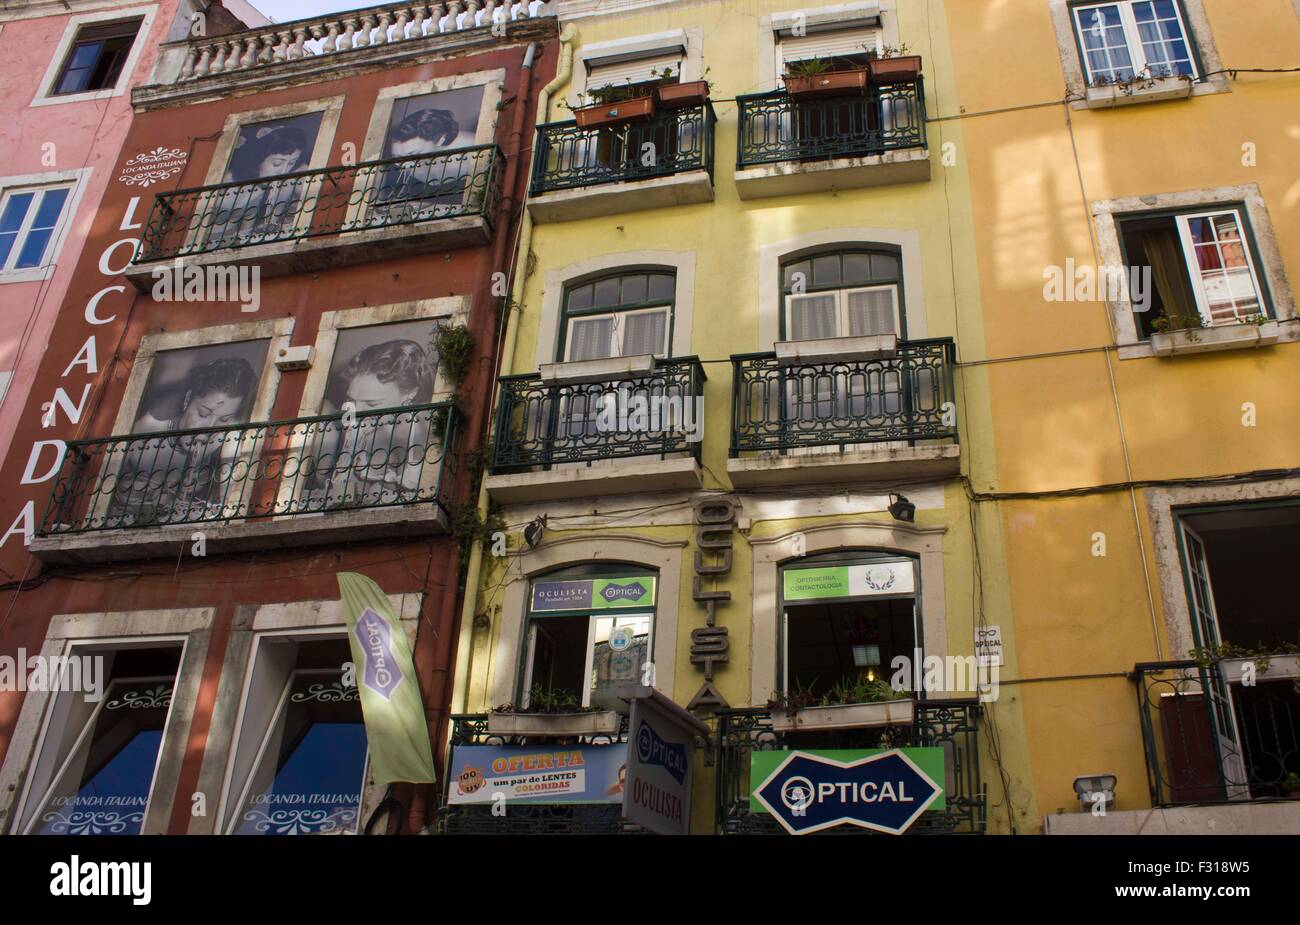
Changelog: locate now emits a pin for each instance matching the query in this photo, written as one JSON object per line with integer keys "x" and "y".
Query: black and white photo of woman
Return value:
{"x": 179, "y": 472}
{"x": 377, "y": 452}
{"x": 430, "y": 124}
{"x": 265, "y": 151}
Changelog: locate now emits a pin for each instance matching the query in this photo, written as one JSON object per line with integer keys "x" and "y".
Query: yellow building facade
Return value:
{"x": 917, "y": 425}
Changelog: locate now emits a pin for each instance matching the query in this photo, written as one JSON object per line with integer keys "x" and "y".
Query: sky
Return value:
{"x": 289, "y": 10}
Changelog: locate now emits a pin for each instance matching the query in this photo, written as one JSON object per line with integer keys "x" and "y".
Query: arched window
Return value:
{"x": 625, "y": 314}
{"x": 844, "y": 293}
{"x": 589, "y": 632}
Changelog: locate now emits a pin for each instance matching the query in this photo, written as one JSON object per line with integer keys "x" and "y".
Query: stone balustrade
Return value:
{"x": 348, "y": 31}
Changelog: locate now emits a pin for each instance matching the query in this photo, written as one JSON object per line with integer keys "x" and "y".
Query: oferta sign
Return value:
{"x": 807, "y": 584}
{"x": 594, "y": 593}
{"x": 882, "y": 790}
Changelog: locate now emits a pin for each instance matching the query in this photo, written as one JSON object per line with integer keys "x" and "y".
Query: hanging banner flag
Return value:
{"x": 390, "y": 697}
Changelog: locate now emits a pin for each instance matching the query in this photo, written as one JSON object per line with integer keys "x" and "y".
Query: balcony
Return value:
{"x": 871, "y": 139}
{"x": 262, "y": 485}
{"x": 798, "y": 418}
{"x": 328, "y": 217}
{"x": 597, "y": 428}
{"x": 949, "y": 725}
{"x": 523, "y": 818}
{"x": 583, "y": 173}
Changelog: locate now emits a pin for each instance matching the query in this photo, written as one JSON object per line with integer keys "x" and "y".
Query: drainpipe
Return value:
{"x": 563, "y": 70}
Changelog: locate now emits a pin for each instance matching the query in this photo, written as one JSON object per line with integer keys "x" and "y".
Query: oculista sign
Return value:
{"x": 45, "y": 456}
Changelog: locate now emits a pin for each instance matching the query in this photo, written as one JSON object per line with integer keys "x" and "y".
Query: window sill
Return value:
{"x": 611, "y": 369}
{"x": 885, "y": 461}
{"x": 1211, "y": 340}
{"x": 689, "y": 188}
{"x": 77, "y": 97}
{"x": 607, "y": 477}
{"x": 845, "y": 716}
{"x": 1160, "y": 88}
{"x": 33, "y": 275}
{"x": 908, "y": 165}
{"x": 553, "y": 725}
{"x": 872, "y": 347}
{"x": 289, "y": 531}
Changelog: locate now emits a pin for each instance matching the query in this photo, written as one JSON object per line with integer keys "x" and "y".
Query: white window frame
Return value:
{"x": 843, "y": 326}
{"x": 616, "y": 330}
{"x": 25, "y": 228}
{"x": 1132, "y": 37}
{"x": 77, "y": 181}
{"x": 1193, "y": 264}
{"x": 45, "y": 95}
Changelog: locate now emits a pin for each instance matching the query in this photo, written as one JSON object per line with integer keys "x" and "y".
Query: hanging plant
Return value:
{"x": 455, "y": 346}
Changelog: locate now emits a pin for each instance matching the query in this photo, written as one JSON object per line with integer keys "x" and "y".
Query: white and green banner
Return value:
{"x": 807, "y": 584}
{"x": 390, "y": 696}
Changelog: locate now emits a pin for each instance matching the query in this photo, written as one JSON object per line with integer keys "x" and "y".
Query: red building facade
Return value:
{"x": 274, "y": 364}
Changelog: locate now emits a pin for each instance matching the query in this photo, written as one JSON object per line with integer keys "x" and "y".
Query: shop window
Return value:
{"x": 589, "y": 633}
{"x": 93, "y": 773}
{"x": 844, "y": 621}
{"x": 298, "y": 765}
{"x": 96, "y": 58}
{"x": 1202, "y": 269}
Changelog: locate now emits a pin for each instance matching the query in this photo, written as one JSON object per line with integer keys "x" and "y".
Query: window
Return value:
{"x": 1202, "y": 269}
{"x": 94, "y": 773}
{"x": 847, "y": 294}
{"x": 618, "y": 316}
{"x": 96, "y": 58}
{"x": 845, "y": 619}
{"x": 846, "y": 47}
{"x": 589, "y": 633}
{"x": 299, "y": 760}
{"x": 29, "y": 221}
{"x": 1133, "y": 38}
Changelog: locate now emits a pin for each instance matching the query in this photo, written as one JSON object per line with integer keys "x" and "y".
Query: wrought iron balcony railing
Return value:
{"x": 952, "y": 725}
{"x": 541, "y": 424}
{"x": 907, "y": 397}
{"x": 374, "y": 459}
{"x": 327, "y": 201}
{"x": 1208, "y": 741}
{"x": 775, "y": 128}
{"x": 524, "y": 818}
{"x": 674, "y": 141}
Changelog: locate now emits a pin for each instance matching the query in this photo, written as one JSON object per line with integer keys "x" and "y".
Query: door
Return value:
{"x": 1223, "y": 720}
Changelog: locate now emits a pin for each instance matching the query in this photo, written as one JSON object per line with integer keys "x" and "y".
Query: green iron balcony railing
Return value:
{"x": 1207, "y": 740}
{"x": 539, "y": 424}
{"x": 333, "y": 462}
{"x": 906, "y": 397}
{"x": 328, "y": 201}
{"x": 774, "y": 128}
{"x": 951, "y": 725}
{"x": 525, "y": 818}
{"x": 674, "y": 141}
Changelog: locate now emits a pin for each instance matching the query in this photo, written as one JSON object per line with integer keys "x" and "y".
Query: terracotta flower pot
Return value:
{"x": 683, "y": 95}
{"x": 607, "y": 115}
{"x": 830, "y": 83}
{"x": 886, "y": 71}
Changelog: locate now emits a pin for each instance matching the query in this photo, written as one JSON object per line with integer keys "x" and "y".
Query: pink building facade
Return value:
{"x": 67, "y": 68}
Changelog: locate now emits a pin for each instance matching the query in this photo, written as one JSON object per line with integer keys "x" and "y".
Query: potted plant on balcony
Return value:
{"x": 816, "y": 78}
{"x": 894, "y": 66}
{"x": 552, "y": 713}
{"x": 615, "y": 105}
{"x": 676, "y": 94}
{"x": 852, "y": 703}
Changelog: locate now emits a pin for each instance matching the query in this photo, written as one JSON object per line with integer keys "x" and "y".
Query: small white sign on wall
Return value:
{"x": 988, "y": 646}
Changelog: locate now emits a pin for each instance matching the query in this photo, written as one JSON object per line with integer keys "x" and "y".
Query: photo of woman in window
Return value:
{"x": 191, "y": 408}
{"x": 265, "y": 151}
{"x": 418, "y": 187}
{"x": 376, "y": 452}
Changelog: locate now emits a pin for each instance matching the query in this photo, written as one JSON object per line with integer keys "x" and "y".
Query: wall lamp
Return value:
{"x": 902, "y": 509}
